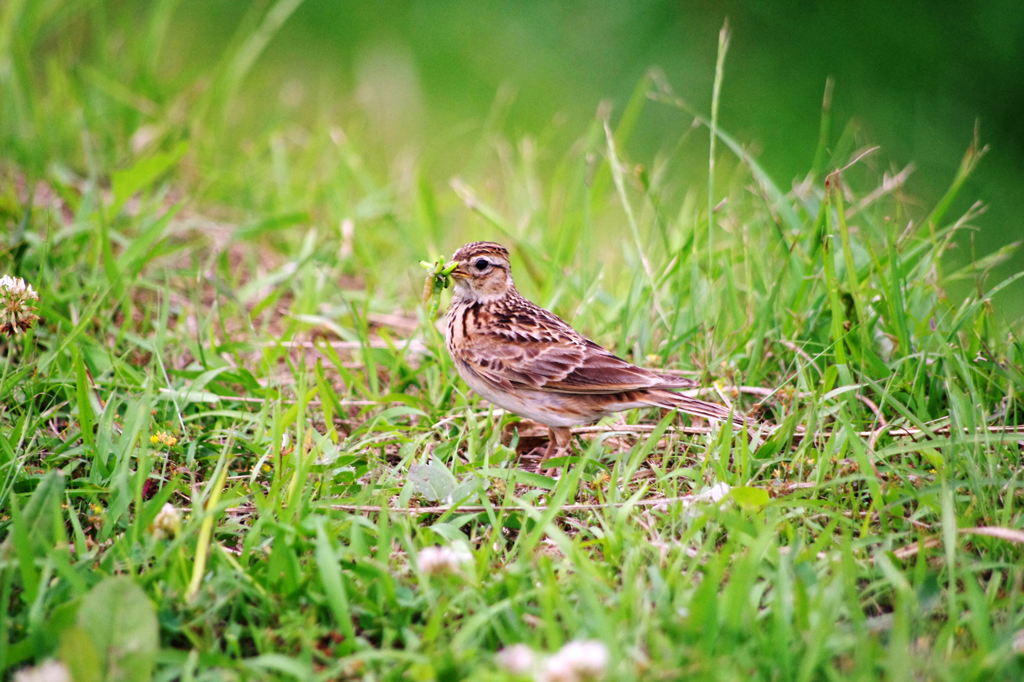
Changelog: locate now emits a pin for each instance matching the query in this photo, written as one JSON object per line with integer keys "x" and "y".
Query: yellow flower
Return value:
{"x": 163, "y": 438}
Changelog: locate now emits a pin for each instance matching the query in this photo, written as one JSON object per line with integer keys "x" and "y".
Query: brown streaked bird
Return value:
{"x": 526, "y": 360}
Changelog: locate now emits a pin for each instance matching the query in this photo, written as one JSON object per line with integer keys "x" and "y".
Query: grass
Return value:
{"x": 231, "y": 325}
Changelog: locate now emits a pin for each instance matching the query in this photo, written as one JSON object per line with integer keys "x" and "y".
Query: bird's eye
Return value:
{"x": 481, "y": 264}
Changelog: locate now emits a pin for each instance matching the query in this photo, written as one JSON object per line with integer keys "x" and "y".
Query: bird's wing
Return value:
{"x": 551, "y": 356}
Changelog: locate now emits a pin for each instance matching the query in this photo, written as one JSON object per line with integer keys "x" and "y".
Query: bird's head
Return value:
{"x": 482, "y": 272}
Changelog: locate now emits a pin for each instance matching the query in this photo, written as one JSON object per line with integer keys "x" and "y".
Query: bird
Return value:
{"x": 526, "y": 360}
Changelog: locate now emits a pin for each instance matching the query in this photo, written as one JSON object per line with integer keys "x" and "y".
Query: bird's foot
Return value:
{"x": 558, "y": 446}
{"x": 545, "y": 468}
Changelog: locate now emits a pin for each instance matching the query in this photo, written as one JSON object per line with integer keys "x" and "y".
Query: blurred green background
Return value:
{"x": 426, "y": 78}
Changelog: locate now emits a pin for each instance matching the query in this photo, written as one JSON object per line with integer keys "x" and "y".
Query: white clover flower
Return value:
{"x": 48, "y": 671}
{"x": 715, "y": 493}
{"x": 577, "y": 661}
{"x": 17, "y": 286}
{"x": 167, "y": 523}
{"x": 557, "y": 670}
{"x": 440, "y": 560}
{"x": 517, "y": 659}
{"x": 17, "y": 313}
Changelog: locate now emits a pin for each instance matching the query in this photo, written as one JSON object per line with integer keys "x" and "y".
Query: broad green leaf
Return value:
{"x": 121, "y": 621}
{"x": 432, "y": 480}
{"x": 79, "y": 653}
{"x": 750, "y": 498}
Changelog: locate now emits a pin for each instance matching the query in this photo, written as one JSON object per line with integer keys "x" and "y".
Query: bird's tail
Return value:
{"x": 698, "y": 408}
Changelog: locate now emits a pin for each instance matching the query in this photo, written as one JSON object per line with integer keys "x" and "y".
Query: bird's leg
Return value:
{"x": 558, "y": 445}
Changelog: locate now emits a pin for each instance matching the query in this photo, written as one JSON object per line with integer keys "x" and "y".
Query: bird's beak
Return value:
{"x": 460, "y": 272}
